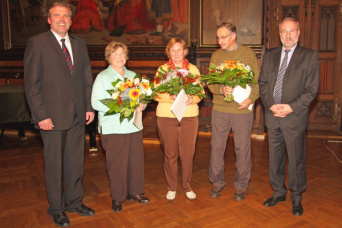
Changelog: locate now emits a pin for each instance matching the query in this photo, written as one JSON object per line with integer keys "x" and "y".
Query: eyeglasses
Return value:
{"x": 222, "y": 37}
{"x": 119, "y": 54}
{"x": 291, "y": 32}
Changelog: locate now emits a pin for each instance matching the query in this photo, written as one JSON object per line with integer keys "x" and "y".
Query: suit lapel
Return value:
{"x": 293, "y": 61}
{"x": 74, "y": 53}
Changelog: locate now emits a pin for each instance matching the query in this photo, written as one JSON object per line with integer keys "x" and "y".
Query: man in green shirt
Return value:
{"x": 231, "y": 116}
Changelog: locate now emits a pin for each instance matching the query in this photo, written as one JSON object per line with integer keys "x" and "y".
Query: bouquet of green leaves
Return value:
{"x": 174, "y": 81}
{"x": 230, "y": 73}
{"x": 127, "y": 95}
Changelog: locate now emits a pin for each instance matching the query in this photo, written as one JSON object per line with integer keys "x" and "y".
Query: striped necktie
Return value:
{"x": 67, "y": 55}
{"x": 279, "y": 83}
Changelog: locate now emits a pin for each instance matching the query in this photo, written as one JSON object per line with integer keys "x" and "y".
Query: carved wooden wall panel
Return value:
{"x": 326, "y": 68}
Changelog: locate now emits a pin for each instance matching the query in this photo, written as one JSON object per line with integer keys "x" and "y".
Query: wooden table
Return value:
{"x": 13, "y": 108}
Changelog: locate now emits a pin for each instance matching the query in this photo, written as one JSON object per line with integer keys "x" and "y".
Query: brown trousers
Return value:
{"x": 178, "y": 140}
{"x": 125, "y": 164}
{"x": 241, "y": 125}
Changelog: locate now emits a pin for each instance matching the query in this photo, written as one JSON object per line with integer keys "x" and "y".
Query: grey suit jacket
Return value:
{"x": 300, "y": 84}
{"x": 51, "y": 90}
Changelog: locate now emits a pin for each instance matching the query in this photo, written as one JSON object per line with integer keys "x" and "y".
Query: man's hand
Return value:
{"x": 225, "y": 90}
{"x": 245, "y": 104}
{"x": 90, "y": 117}
{"x": 46, "y": 125}
{"x": 281, "y": 110}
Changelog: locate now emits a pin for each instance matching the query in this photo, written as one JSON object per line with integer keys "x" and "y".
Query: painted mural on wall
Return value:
{"x": 98, "y": 22}
{"x": 246, "y": 15}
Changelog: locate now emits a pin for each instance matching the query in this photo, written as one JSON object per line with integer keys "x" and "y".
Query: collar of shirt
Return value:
{"x": 117, "y": 75}
{"x": 67, "y": 43}
{"x": 289, "y": 55}
{"x": 236, "y": 47}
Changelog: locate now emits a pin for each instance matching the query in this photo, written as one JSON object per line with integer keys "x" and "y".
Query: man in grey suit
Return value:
{"x": 288, "y": 81}
{"x": 58, "y": 86}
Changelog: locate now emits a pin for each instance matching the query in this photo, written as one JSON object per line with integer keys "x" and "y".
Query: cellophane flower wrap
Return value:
{"x": 230, "y": 73}
{"x": 173, "y": 81}
{"x": 126, "y": 96}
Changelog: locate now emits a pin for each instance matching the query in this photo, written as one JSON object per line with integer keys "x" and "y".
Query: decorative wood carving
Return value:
{"x": 290, "y": 11}
{"x": 324, "y": 109}
{"x": 327, "y": 32}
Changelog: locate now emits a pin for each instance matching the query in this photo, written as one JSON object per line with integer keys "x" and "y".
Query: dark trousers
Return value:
{"x": 241, "y": 125}
{"x": 281, "y": 138}
{"x": 178, "y": 140}
{"x": 64, "y": 153}
{"x": 125, "y": 164}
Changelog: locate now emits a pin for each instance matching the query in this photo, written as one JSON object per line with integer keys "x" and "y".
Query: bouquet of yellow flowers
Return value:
{"x": 127, "y": 95}
{"x": 173, "y": 81}
{"x": 230, "y": 73}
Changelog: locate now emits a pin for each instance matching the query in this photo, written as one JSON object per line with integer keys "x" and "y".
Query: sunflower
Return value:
{"x": 134, "y": 94}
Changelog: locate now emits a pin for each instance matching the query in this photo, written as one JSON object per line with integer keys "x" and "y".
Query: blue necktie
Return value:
{"x": 279, "y": 83}
{"x": 67, "y": 55}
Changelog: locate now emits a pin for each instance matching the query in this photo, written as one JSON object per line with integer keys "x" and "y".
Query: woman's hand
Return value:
{"x": 173, "y": 97}
{"x": 189, "y": 101}
{"x": 141, "y": 107}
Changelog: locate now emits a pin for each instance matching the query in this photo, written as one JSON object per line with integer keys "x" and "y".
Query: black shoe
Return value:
{"x": 297, "y": 208}
{"x": 138, "y": 198}
{"x": 82, "y": 210}
{"x": 274, "y": 200}
{"x": 239, "y": 196}
{"x": 116, "y": 206}
{"x": 215, "y": 192}
{"x": 60, "y": 219}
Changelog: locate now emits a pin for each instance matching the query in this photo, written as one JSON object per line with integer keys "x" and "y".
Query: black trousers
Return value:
{"x": 282, "y": 139}
{"x": 64, "y": 154}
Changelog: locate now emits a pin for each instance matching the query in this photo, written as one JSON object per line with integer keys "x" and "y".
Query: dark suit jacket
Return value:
{"x": 51, "y": 90}
{"x": 300, "y": 84}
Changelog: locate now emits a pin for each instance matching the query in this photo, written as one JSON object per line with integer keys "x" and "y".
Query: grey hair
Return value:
{"x": 289, "y": 19}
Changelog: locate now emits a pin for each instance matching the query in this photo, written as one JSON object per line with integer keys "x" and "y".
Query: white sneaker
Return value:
{"x": 171, "y": 195}
{"x": 191, "y": 195}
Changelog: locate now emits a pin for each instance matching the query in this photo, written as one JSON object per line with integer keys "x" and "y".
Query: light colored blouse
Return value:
{"x": 110, "y": 124}
{"x": 164, "y": 102}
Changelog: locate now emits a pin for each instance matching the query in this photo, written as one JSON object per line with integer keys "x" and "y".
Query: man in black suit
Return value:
{"x": 288, "y": 81}
{"x": 58, "y": 86}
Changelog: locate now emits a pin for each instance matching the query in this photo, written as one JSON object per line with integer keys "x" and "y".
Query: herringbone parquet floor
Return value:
{"x": 23, "y": 199}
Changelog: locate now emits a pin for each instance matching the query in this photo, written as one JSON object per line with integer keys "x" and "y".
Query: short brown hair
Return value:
{"x": 112, "y": 47}
{"x": 62, "y": 4}
{"x": 172, "y": 42}
{"x": 231, "y": 27}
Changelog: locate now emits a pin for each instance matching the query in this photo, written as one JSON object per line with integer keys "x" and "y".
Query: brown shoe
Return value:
{"x": 239, "y": 196}
{"x": 216, "y": 192}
